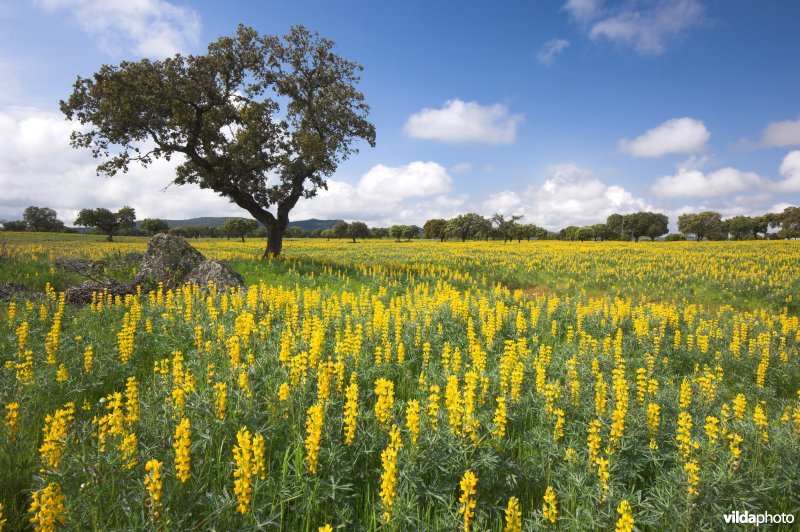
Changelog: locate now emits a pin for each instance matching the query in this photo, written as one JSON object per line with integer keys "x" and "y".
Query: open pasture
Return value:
{"x": 422, "y": 385}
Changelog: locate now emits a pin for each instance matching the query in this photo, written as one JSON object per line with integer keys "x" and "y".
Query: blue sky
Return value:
{"x": 563, "y": 111}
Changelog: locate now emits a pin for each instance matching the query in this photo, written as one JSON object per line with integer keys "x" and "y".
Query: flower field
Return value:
{"x": 405, "y": 386}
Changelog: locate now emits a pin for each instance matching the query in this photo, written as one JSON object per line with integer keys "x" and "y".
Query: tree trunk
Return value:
{"x": 110, "y": 237}
{"x": 274, "y": 241}
{"x": 242, "y": 237}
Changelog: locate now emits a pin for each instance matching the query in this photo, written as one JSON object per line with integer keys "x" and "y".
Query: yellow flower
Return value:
{"x": 55, "y": 435}
{"x": 181, "y": 444}
{"x": 384, "y": 391}
{"x": 433, "y": 407}
{"x": 712, "y": 429}
{"x": 736, "y": 452}
{"x": 47, "y": 507}
{"x": 625, "y": 522}
{"x": 12, "y": 419}
{"x": 550, "y": 506}
{"x": 739, "y": 406}
{"x": 558, "y": 429}
{"x": 412, "y": 419}
{"x": 351, "y": 410}
{"x": 283, "y": 392}
{"x": 513, "y": 516}
{"x": 243, "y": 474}
{"x": 221, "y": 399}
{"x": 131, "y": 401}
{"x": 684, "y": 435}
{"x": 760, "y": 420}
{"x": 314, "y": 421}
{"x": 467, "y": 499}
{"x": 129, "y": 447}
{"x": 685, "y": 398}
{"x": 593, "y": 441}
{"x": 692, "y": 476}
{"x": 653, "y": 421}
{"x": 389, "y": 474}
{"x": 154, "y": 485}
{"x": 259, "y": 456}
{"x": 500, "y": 419}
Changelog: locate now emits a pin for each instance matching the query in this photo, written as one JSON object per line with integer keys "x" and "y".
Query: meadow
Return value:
{"x": 399, "y": 386}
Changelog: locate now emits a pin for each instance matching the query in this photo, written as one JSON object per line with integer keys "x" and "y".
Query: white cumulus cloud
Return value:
{"x": 790, "y": 170}
{"x": 679, "y": 135}
{"x": 570, "y": 195}
{"x": 646, "y": 27}
{"x": 385, "y": 195}
{"x": 550, "y": 50}
{"x": 459, "y": 122}
{"x": 694, "y": 183}
{"x": 147, "y": 28}
{"x": 780, "y": 134}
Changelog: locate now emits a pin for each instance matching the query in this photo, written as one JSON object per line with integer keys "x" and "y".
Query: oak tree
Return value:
{"x": 261, "y": 120}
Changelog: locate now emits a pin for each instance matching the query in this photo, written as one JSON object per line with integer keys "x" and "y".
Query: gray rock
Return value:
{"x": 223, "y": 276}
{"x": 84, "y": 267}
{"x": 10, "y": 290}
{"x": 169, "y": 259}
{"x": 81, "y": 294}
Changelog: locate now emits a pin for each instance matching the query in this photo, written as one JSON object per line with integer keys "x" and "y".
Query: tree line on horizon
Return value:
{"x": 707, "y": 225}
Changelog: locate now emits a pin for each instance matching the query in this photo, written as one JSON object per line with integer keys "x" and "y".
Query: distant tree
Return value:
{"x": 154, "y": 225}
{"x": 42, "y": 219}
{"x": 638, "y": 224}
{"x": 240, "y": 227}
{"x": 762, "y": 224}
{"x": 398, "y": 232}
{"x": 601, "y": 232}
{"x": 634, "y": 225}
{"x": 412, "y": 231}
{"x": 675, "y": 237}
{"x": 739, "y": 226}
{"x": 657, "y": 225}
{"x": 105, "y": 221}
{"x": 585, "y": 233}
{"x": 506, "y": 227}
{"x": 317, "y": 233}
{"x": 435, "y": 228}
{"x": 701, "y": 225}
{"x": 15, "y": 225}
{"x": 790, "y": 222}
{"x": 379, "y": 232}
{"x": 358, "y": 230}
{"x": 527, "y": 231}
{"x": 615, "y": 227}
{"x": 468, "y": 226}
{"x": 569, "y": 233}
{"x": 296, "y": 232}
{"x": 340, "y": 230}
{"x": 326, "y": 234}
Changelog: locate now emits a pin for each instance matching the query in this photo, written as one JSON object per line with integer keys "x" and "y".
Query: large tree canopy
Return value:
{"x": 261, "y": 120}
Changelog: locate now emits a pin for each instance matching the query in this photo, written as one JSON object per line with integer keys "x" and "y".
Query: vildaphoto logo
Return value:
{"x": 764, "y": 518}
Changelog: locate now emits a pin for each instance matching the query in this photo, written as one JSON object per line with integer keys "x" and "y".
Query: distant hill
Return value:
{"x": 216, "y": 221}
